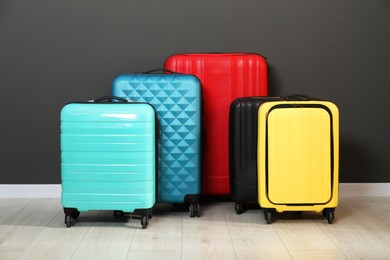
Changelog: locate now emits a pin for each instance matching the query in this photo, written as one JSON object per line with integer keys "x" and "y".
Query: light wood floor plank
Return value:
{"x": 383, "y": 202}
{"x": 107, "y": 238}
{"x": 27, "y": 224}
{"x": 253, "y": 238}
{"x": 9, "y": 255}
{"x": 10, "y": 207}
{"x": 302, "y": 231}
{"x": 208, "y": 237}
{"x": 248, "y": 244}
{"x": 151, "y": 254}
{"x": 354, "y": 239}
{"x": 164, "y": 232}
{"x": 35, "y": 229}
{"x": 199, "y": 243}
{"x": 58, "y": 242}
{"x": 305, "y": 254}
{"x": 371, "y": 213}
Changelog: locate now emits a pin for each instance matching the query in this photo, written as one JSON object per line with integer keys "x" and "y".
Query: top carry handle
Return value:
{"x": 110, "y": 99}
{"x": 298, "y": 97}
{"x": 159, "y": 70}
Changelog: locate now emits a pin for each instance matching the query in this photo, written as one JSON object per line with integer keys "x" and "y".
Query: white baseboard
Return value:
{"x": 30, "y": 190}
{"x": 364, "y": 189}
{"x": 54, "y": 190}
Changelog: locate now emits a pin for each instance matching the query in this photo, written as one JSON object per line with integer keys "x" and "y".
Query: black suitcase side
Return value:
{"x": 243, "y": 149}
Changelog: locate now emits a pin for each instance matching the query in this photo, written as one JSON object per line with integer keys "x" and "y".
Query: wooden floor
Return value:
{"x": 35, "y": 229}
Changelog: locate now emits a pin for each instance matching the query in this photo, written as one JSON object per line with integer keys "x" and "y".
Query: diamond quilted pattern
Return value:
{"x": 177, "y": 102}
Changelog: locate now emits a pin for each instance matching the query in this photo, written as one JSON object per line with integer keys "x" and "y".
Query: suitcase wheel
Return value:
{"x": 75, "y": 214}
{"x": 70, "y": 215}
{"x": 144, "y": 221}
{"x": 268, "y": 216}
{"x": 194, "y": 209}
{"x": 239, "y": 207}
{"x": 329, "y": 214}
{"x": 330, "y": 217}
{"x": 118, "y": 213}
{"x": 68, "y": 220}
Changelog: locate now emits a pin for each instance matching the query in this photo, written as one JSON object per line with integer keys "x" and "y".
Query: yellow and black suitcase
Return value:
{"x": 298, "y": 157}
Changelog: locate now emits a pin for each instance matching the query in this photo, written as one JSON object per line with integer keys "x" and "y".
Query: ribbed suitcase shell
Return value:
{"x": 177, "y": 99}
{"x": 224, "y": 77}
{"x": 243, "y": 149}
{"x": 298, "y": 146}
{"x": 108, "y": 156}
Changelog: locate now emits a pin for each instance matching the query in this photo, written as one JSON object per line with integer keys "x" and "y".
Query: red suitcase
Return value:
{"x": 224, "y": 77}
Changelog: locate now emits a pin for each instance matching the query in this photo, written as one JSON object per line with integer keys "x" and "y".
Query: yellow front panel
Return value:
{"x": 299, "y": 155}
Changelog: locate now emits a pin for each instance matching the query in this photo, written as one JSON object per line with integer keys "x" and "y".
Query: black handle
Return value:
{"x": 109, "y": 99}
{"x": 297, "y": 97}
{"x": 159, "y": 70}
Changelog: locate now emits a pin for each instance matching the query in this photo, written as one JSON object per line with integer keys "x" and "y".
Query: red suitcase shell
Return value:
{"x": 224, "y": 77}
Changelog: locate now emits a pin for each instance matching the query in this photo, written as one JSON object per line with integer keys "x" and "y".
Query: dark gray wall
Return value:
{"x": 53, "y": 52}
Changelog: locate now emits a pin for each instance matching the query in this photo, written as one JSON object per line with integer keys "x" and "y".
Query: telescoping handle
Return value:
{"x": 109, "y": 99}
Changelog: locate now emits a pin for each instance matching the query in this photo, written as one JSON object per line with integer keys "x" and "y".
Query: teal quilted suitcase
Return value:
{"x": 178, "y": 101}
{"x": 108, "y": 158}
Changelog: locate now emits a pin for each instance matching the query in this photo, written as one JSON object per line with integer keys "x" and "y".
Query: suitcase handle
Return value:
{"x": 297, "y": 97}
{"x": 110, "y": 99}
{"x": 159, "y": 70}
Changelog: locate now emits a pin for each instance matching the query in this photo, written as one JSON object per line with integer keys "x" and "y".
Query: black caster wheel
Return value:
{"x": 330, "y": 217}
{"x": 68, "y": 220}
{"x": 144, "y": 222}
{"x": 268, "y": 217}
{"x": 194, "y": 209}
{"x": 197, "y": 209}
{"x": 239, "y": 207}
{"x": 118, "y": 213}
{"x": 191, "y": 210}
{"x": 75, "y": 214}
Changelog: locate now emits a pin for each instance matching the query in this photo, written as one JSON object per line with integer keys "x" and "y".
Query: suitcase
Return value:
{"x": 224, "y": 77}
{"x": 243, "y": 150}
{"x": 108, "y": 158}
{"x": 298, "y": 145}
{"x": 177, "y": 99}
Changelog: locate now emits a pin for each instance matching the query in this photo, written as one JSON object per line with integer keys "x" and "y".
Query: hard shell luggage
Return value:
{"x": 243, "y": 150}
{"x": 298, "y": 157}
{"x": 108, "y": 157}
{"x": 177, "y": 99}
{"x": 224, "y": 77}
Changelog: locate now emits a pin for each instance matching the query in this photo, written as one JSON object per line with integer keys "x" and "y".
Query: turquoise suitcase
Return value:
{"x": 108, "y": 157}
{"x": 178, "y": 101}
